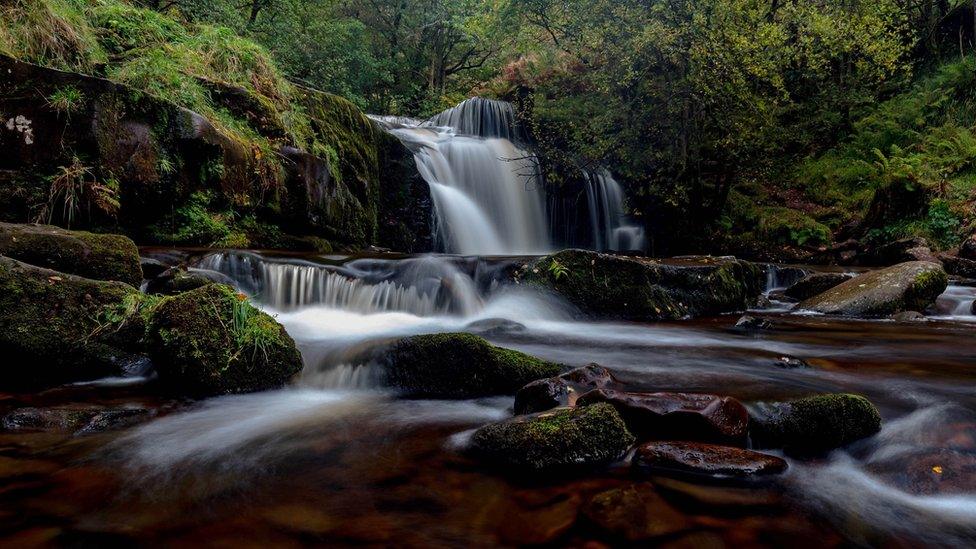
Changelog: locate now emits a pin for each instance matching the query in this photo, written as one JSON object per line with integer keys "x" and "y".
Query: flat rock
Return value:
{"x": 815, "y": 284}
{"x": 634, "y": 513}
{"x": 562, "y": 390}
{"x": 707, "y": 459}
{"x": 689, "y": 416}
{"x": 909, "y": 286}
{"x": 73, "y": 420}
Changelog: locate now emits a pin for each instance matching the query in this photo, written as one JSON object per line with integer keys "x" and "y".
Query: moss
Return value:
{"x": 555, "y": 440}
{"x": 618, "y": 287}
{"x": 212, "y": 341}
{"x": 121, "y": 28}
{"x": 928, "y": 285}
{"x": 96, "y": 256}
{"x": 460, "y": 366}
{"x": 53, "y": 324}
{"x": 815, "y": 424}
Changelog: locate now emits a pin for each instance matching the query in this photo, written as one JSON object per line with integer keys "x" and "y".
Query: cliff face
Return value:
{"x": 85, "y": 151}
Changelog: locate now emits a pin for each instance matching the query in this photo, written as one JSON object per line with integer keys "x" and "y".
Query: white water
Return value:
{"x": 612, "y": 230}
{"x": 487, "y": 193}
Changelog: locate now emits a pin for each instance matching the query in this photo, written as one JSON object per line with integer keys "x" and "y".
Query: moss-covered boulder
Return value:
{"x": 814, "y": 424}
{"x": 609, "y": 286}
{"x": 56, "y": 327}
{"x": 460, "y": 366}
{"x": 95, "y": 256}
{"x": 554, "y": 440}
{"x": 911, "y": 286}
{"x": 212, "y": 341}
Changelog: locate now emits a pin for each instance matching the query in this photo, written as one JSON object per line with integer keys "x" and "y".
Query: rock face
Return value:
{"x": 900, "y": 251}
{"x": 608, "y": 286}
{"x": 95, "y": 256}
{"x": 56, "y": 327}
{"x": 406, "y": 209}
{"x": 815, "y": 284}
{"x": 460, "y": 366}
{"x": 562, "y": 390}
{"x": 707, "y": 459}
{"x": 814, "y": 424}
{"x": 555, "y": 440}
{"x": 906, "y": 287}
{"x": 685, "y": 416}
{"x": 212, "y": 341}
{"x": 634, "y": 513}
{"x": 959, "y": 266}
{"x": 161, "y": 156}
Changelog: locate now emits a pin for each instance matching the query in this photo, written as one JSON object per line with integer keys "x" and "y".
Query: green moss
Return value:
{"x": 460, "y": 366}
{"x": 96, "y": 256}
{"x": 212, "y": 341}
{"x": 555, "y": 440}
{"x": 815, "y": 424}
{"x": 52, "y": 328}
{"x": 787, "y": 226}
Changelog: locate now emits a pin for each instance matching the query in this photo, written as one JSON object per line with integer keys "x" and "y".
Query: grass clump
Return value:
{"x": 121, "y": 28}
{"x": 54, "y": 33}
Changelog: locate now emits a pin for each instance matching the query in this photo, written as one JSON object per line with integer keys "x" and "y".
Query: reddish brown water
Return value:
{"x": 334, "y": 460}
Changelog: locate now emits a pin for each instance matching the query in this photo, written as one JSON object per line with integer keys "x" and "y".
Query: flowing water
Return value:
{"x": 337, "y": 458}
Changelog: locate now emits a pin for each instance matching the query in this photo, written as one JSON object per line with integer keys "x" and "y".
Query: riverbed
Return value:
{"x": 336, "y": 458}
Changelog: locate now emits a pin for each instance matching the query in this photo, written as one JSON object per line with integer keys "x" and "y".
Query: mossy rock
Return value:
{"x": 911, "y": 286}
{"x": 211, "y": 341}
{"x": 814, "y": 424}
{"x": 95, "y": 256}
{"x": 609, "y": 286}
{"x": 56, "y": 327}
{"x": 460, "y": 366}
{"x": 559, "y": 439}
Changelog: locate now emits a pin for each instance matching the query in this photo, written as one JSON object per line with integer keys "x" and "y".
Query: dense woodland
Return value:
{"x": 744, "y": 123}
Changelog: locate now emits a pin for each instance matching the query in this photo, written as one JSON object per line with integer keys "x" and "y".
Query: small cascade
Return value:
{"x": 480, "y": 117}
{"x": 612, "y": 230}
{"x": 422, "y": 287}
{"x": 958, "y": 302}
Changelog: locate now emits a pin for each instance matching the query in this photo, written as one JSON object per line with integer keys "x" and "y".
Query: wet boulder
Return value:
{"x": 80, "y": 421}
{"x": 634, "y": 513}
{"x": 968, "y": 249}
{"x": 749, "y": 323}
{"x": 460, "y": 366}
{"x": 212, "y": 341}
{"x": 177, "y": 280}
{"x": 959, "y": 266}
{"x": 555, "y": 440}
{"x": 610, "y": 286}
{"x": 152, "y": 267}
{"x": 56, "y": 327}
{"x": 688, "y": 416}
{"x": 494, "y": 326}
{"x": 906, "y": 287}
{"x": 791, "y": 363}
{"x": 94, "y": 256}
{"x": 900, "y": 251}
{"x": 814, "y": 424}
{"x": 562, "y": 390}
{"x": 707, "y": 459}
{"x": 815, "y": 284}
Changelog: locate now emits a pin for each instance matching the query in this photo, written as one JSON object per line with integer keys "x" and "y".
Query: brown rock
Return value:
{"x": 968, "y": 249}
{"x": 562, "y": 390}
{"x": 707, "y": 459}
{"x": 959, "y": 266}
{"x": 931, "y": 472}
{"x": 814, "y": 284}
{"x": 634, "y": 513}
{"x": 690, "y": 416}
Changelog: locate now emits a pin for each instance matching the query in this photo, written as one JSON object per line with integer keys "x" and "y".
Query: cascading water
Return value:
{"x": 612, "y": 230}
{"x": 486, "y": 190}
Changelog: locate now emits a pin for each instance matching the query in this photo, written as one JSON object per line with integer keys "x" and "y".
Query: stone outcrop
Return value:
{"x": 909, "y": 286}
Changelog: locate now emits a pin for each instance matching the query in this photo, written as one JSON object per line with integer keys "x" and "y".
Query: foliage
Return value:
{"x": 50, "y": 32}
{"x": 73, "y": 188}
{"x": 66, "y": 100}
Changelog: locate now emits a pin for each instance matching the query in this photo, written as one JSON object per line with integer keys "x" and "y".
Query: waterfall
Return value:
{"x": 612, "y": 229}
{"x": 487, "y": 192}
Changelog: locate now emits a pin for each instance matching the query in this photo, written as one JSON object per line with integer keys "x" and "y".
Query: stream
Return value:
{"x": 337, "y": 458}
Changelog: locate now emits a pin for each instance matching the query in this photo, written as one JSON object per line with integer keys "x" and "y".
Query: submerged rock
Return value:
{"x": 908, "y": 316}
{"x": 460, "y": 366}
{"x": 905, "y": 287}
{"x": 562, "y": 390}
{"x": 56, "y": 327}
{"x": 688, "y": 416}
{"x": 707, "y": 459}
{"x": 816, "y": 284}
{"x": 634, "y": 513}
{"x": 495, "y": 326}
{"x": 791, "y": 363}
{"x": 212, "y": 341}
{"x": 749, "y": 323}
{"x": 814, "y": 424}
{"x": 79, "y": 421}
{"x": 610, "y": 286}
{"x": 555, "y": 440}
{"x": 94, "y": 256}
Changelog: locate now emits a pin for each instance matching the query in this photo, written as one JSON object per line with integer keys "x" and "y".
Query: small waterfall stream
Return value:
{"x": 612, "y": 231}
